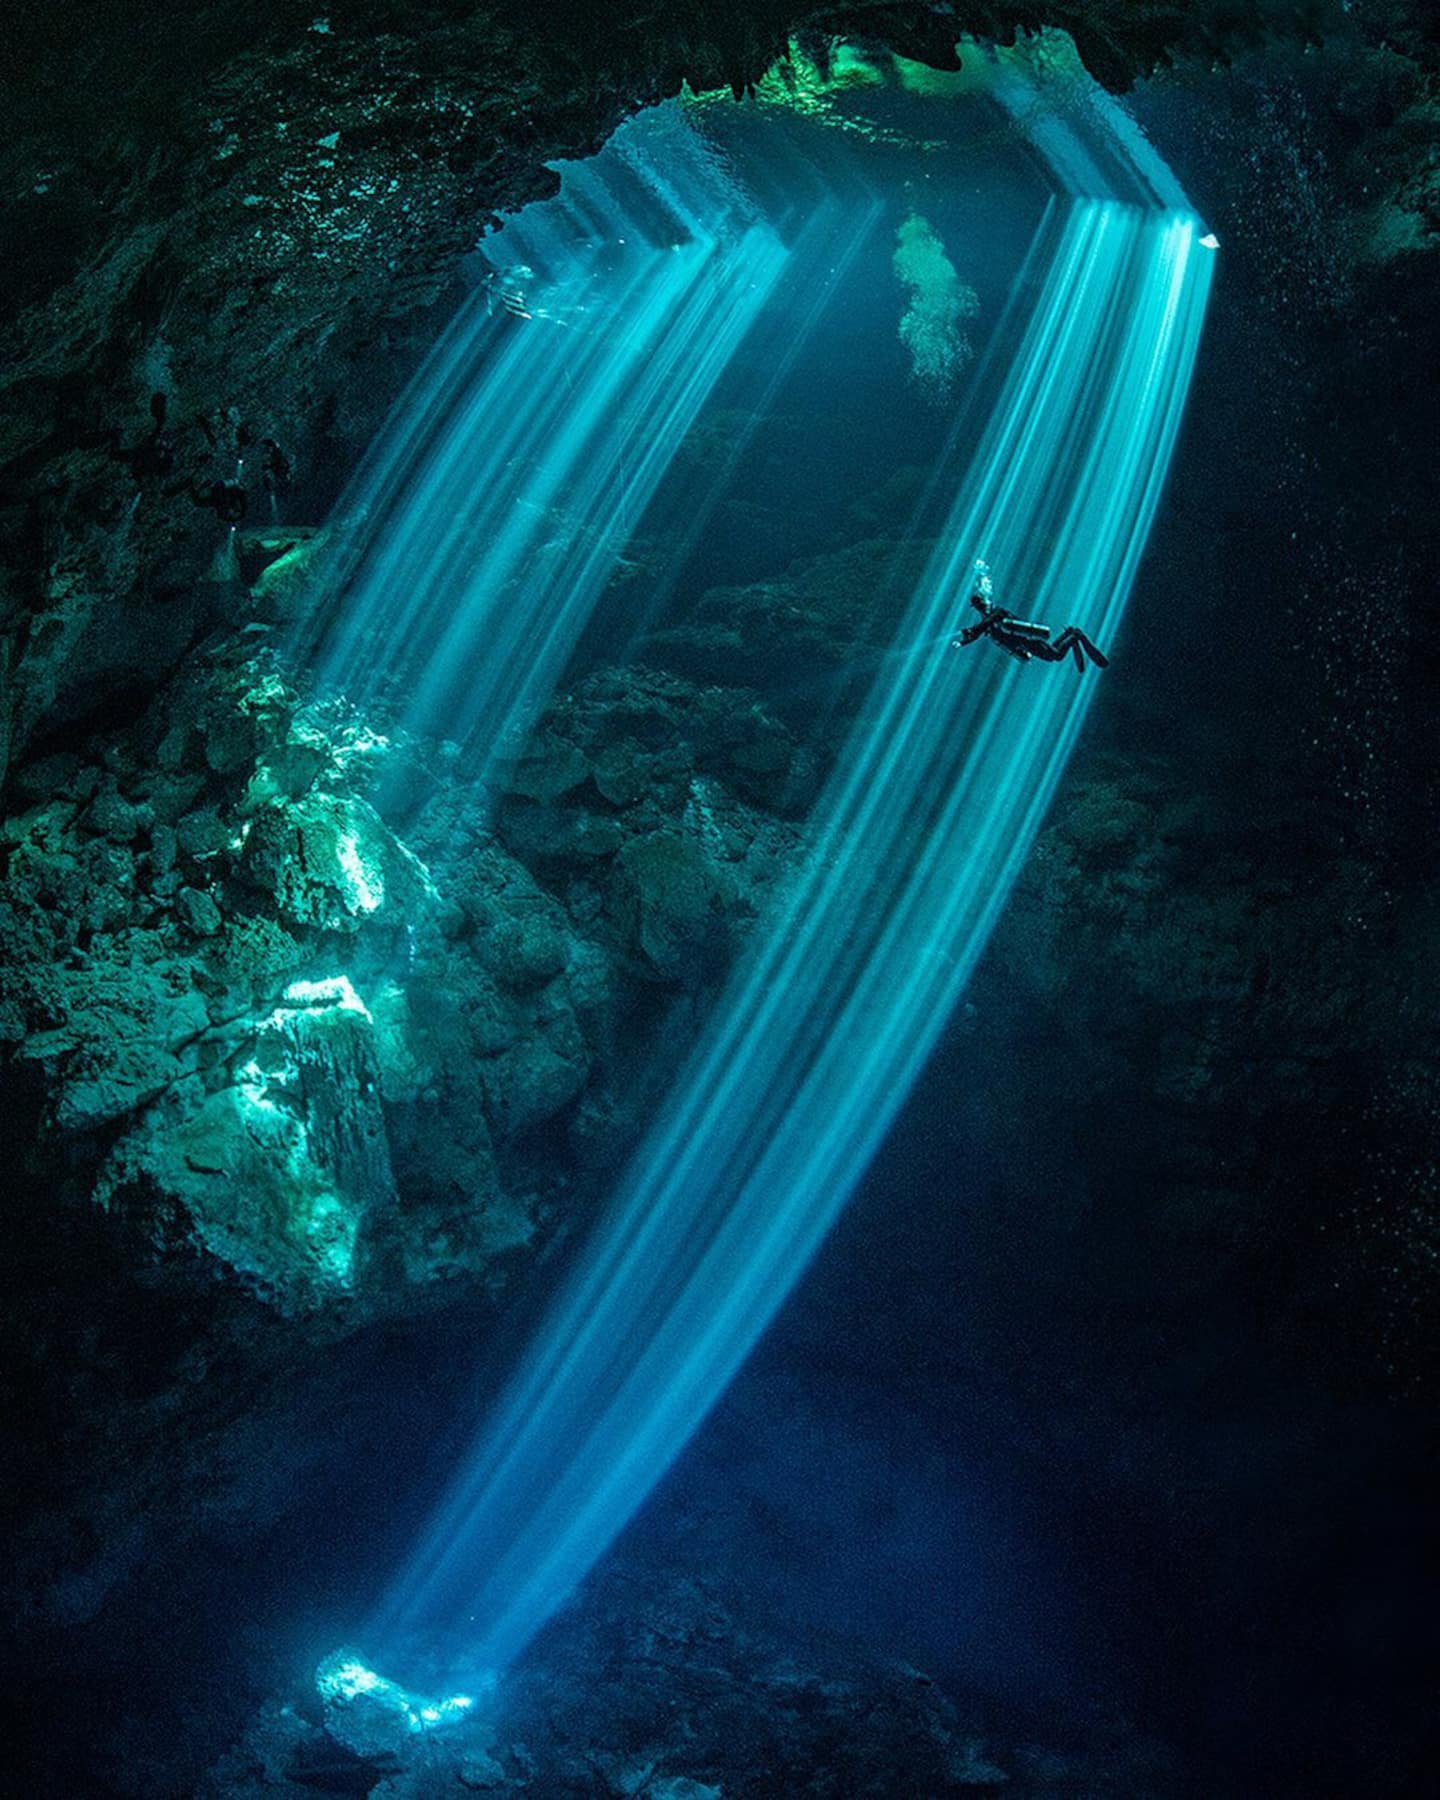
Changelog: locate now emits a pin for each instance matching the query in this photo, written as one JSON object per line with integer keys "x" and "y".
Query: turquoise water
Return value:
{"x": 537, "y": 506}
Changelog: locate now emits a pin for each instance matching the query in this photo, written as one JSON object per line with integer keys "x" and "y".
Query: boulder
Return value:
{"x": 559, "y": 834}
{"x": 531, "y": 1082}
{"x": 280, "y": 1171}
{"x": 112, "y": 816}
{"x": 326, "y": 861}
{"x": 531, "y": 948}
{"x": 548, "y": 768}
{"x": 671, "y": 906}
{"x": 126, "y": 1035}
{"x": 198, "y": 912}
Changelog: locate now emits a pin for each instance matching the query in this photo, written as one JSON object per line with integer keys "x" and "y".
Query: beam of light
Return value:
{"x": 495, "y": 509}
{"x": 942, "y": 784}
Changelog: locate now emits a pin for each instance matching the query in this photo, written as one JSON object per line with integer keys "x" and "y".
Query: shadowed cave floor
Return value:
{"x": 658, "y": 1690}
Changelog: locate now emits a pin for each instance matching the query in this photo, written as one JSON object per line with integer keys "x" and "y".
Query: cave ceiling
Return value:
{"x": 237, "y": 203}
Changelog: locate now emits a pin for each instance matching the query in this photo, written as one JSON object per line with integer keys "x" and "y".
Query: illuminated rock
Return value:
{"x": 363, "y": 1710}
{"x": 326, "y": 860}
{"x": 375, "y": 1717}
{"x": 281, "y": 1172}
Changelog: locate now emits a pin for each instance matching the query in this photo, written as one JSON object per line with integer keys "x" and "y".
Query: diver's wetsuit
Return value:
{"x": 1027, "y": 641}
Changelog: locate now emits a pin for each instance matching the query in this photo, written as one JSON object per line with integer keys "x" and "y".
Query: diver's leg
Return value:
{"x": 1094, "y": 652}
{"x": 1074, "y": 641}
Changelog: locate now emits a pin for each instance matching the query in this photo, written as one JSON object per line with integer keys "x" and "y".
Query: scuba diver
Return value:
{"x": 1022, "y": 638}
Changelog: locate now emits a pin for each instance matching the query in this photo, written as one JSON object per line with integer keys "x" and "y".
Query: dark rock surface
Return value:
{"x": 655, "y": 1690}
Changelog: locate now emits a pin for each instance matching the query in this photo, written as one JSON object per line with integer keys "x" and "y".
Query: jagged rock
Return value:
{"x": 198, "y": 911}
{"x": 249, "y": 960}
{"x": 118, "y": 819}
{"x": 81, "y": 886}
{"x": 125, "y": 1036}
{"x": 202, "y": 834}
{"x": 327, "y": 861}
{"x": 281, "y": 1170}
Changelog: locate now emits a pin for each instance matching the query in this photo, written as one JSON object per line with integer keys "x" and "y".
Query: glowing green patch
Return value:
{"x": 364, "y": 880}
{"x": 798, "y": 85}
{"x": 336, "y": 990}
{"x": 1047, "y": 57}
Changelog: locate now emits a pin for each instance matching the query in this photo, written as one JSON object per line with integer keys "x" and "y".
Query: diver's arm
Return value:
{"x": 969, "y": 633}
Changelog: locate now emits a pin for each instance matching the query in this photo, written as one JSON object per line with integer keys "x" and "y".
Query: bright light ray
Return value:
{"x": 494, "y": 511}
{"x": 944, "y": 780}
